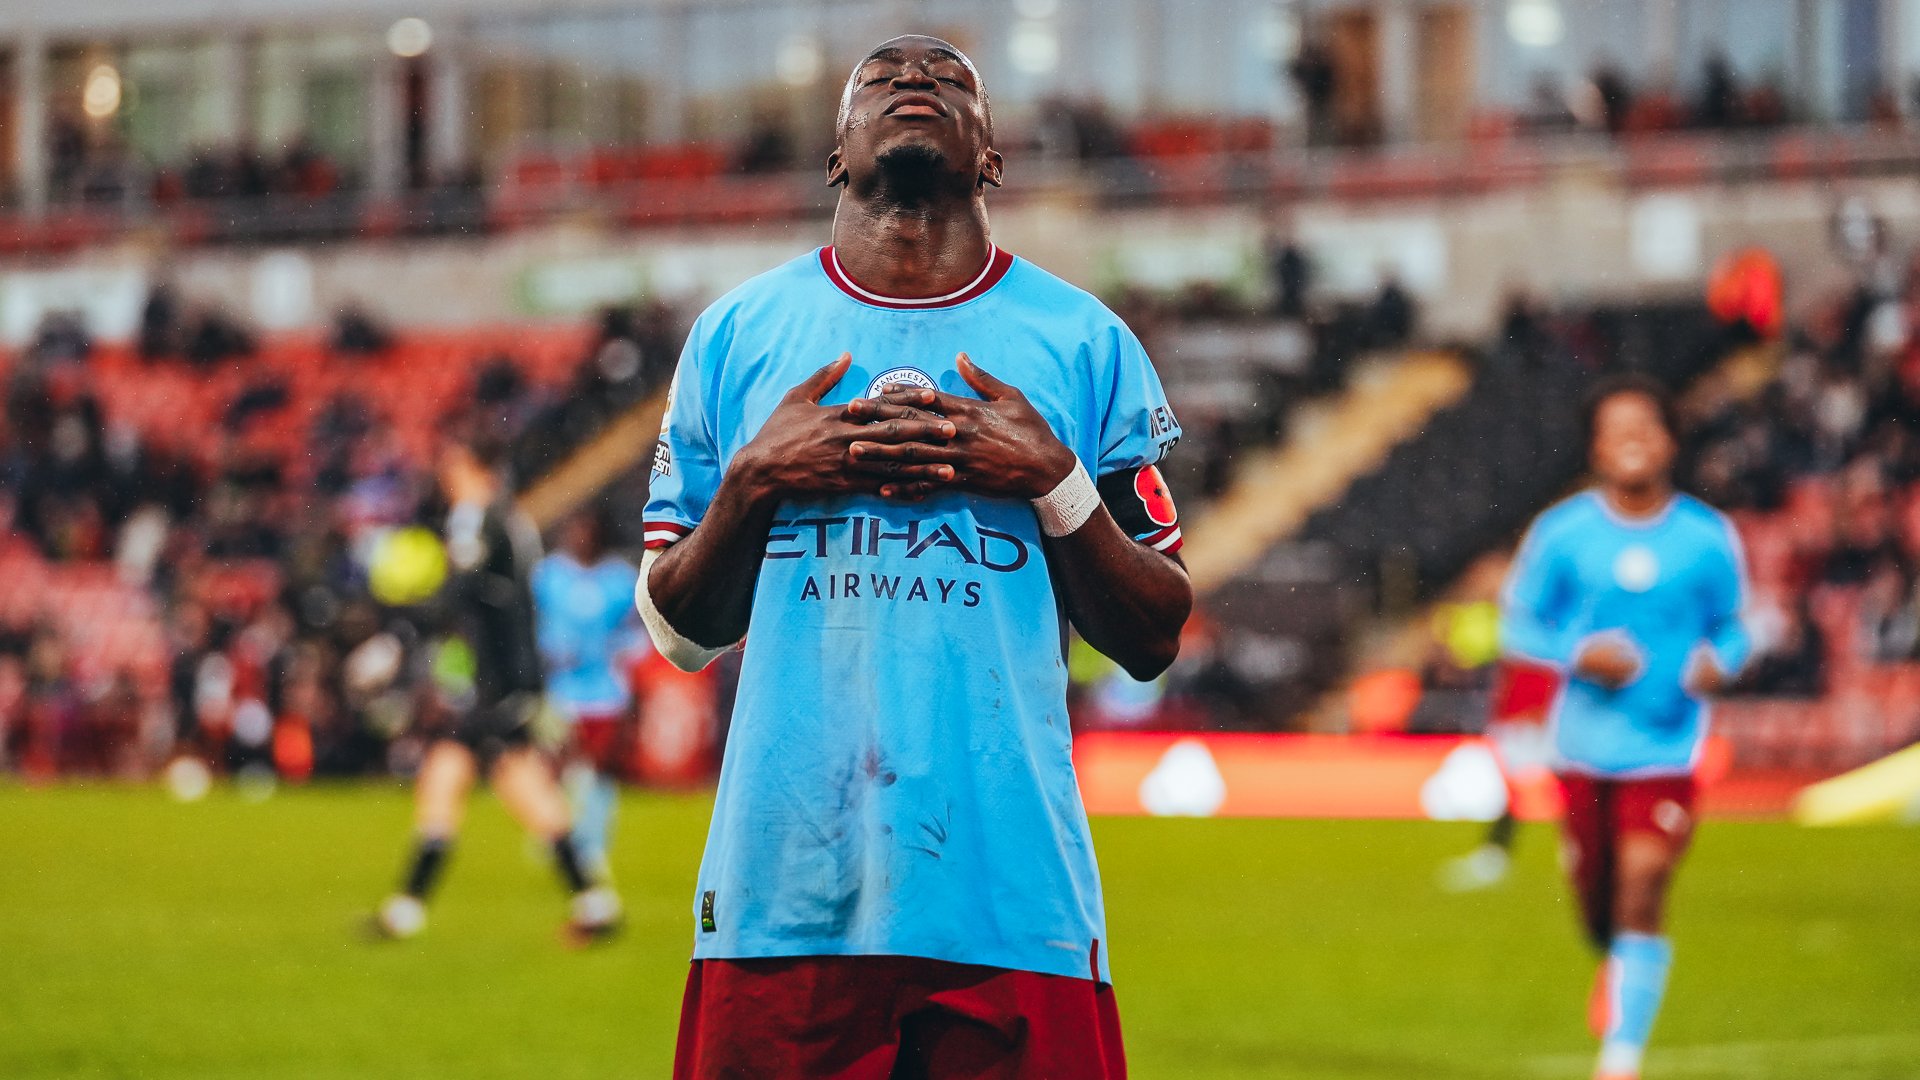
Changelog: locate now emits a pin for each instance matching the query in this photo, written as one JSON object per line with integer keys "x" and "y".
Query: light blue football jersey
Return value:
{"x": 1668, "y": 587}
{"x": 898, "y": 778}
{"x": 586, "y": 624}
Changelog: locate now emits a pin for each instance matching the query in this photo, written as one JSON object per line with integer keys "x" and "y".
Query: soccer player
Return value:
{"x": 583, "y": 594}
{"x": 1635, "y": 592}
{"x": 1522, "y": 693}
{"x": 898, "y": 879}
{"x": 492, "y": 549}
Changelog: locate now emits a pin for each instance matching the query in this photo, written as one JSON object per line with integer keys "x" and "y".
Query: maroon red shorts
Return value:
{"x": 893, "y": 1018}
{"x": 598, "y": 737}
{"x": 1599, "y": 813}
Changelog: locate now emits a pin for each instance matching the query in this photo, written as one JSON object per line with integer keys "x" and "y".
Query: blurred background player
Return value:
{"x": 1522, "y": 695}
{"x": 583, "y": 598}
{"x": 492, "y": 549}
{"x": 1636, "y": 593}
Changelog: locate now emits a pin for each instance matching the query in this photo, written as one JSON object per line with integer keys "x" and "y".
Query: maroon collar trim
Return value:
{"x": 998, "y": 262}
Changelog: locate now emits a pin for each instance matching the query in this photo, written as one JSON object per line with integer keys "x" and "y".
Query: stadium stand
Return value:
{"x": 1809, "y": 446}
{"x": 1275, "y": 490}
{"x": 1818, "y": 468}
{"x": 190, "y": 536}
{"x": 1456, "y": 480}
{"x": 1478, "y": 471}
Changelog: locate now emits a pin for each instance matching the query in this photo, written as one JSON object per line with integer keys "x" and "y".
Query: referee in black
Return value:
{"x": 492, "y": 548}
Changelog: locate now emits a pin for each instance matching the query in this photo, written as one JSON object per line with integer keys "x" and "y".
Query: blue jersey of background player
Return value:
{"x": 587, "y": 626}
{"x": 904, "y": 539}
{"x": 1635, "y": 592}
{"x": 1659, "y": 596}
{"x": 583, "y": 597}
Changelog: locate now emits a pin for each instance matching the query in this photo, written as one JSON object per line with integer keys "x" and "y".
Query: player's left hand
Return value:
{"x": 1704, "y": 677}
{"x": 1003, "y": 447}
{"x": 896, "y": 402}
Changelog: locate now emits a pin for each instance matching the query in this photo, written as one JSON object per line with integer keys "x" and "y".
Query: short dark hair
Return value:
{"x": 1636, "y": 384}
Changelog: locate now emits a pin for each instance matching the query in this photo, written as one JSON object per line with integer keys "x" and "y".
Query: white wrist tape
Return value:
{"x": 681, "y": 651}
{"x": 1069, "y": 504}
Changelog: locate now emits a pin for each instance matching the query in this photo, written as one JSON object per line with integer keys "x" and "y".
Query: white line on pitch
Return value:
{"x": 1713, "y": 1058}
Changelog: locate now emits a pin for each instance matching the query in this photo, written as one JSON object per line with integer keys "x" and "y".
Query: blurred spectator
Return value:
{"x": 62, "y": 338}
{"x": 66, "y": 152}
{"x": 1612, "y": 95}
{"x": 1523, "y": 330}
{"x": 1766, "y": 104}
{"x": 1316, "y": 77}
{"x": 1889, "y": 622}
{"x": 1793, "y": 664}
{"x": 1721, "y": 102}
{"x": 214, "y": 338}
{"x": 1292, "y": 272}
{"x": 768, "y": 148}
{"x": 1085, "y": 130}
{"x": 1390, "y": 320}
{"x": 160, "y": 331}
{"x": 1547, "y": 109}
{"x": 307, "y": 172}
{"x": 357, "y": 333}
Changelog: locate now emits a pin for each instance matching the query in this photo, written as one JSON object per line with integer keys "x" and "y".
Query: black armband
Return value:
{"x": 1139, "y": 501}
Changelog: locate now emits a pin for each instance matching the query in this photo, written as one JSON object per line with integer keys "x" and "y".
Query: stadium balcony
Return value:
{"x": 1168, "y": 162}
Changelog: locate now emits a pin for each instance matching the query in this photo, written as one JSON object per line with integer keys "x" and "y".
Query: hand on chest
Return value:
{"x": 1055, "y": 386}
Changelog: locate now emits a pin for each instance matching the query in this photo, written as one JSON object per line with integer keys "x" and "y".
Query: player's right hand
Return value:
{"x": 900, "y": 401}
{"x": 803, "y": 450}
{"x": 1609, "y": 663}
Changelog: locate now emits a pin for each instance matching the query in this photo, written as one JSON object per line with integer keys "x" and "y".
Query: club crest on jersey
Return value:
{"x": 1636, "y": 568}
{"x": 1152, "y": 490}
{"x": 899, "y": 375}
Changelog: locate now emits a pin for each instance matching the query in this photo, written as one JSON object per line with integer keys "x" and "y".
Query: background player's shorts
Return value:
{"x": 1524, "y": 692}
{"x": 490, "y": 729}
{"x": 1599, "y": 813}
{"x": 881, "y": 1017}
{"x": 597, "y": 736}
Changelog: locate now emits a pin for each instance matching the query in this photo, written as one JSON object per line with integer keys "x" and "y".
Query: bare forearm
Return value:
{"x": 1126, "y": 600}
{"x": 703, "y": 585}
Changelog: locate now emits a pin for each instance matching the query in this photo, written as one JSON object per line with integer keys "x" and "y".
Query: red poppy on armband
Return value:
{"x": 1140, "y": 502}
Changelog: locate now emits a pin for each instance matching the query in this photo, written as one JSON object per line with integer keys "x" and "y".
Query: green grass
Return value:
{"x": 140, "y": 938}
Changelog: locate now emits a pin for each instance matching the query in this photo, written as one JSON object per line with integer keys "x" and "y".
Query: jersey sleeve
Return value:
{"x": 1537, "y": 604}
{"x": 1726, "y": 598}
{"x": 1137, "y": 429}
{"x": 686, "y": 460}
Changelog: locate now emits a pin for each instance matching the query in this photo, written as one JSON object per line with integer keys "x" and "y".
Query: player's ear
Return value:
{"x": 992, "y": 167}
{"x": 836, "y": 169}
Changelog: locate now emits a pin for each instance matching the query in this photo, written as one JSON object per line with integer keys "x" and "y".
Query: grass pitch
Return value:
{"x": 216, "y": 940}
